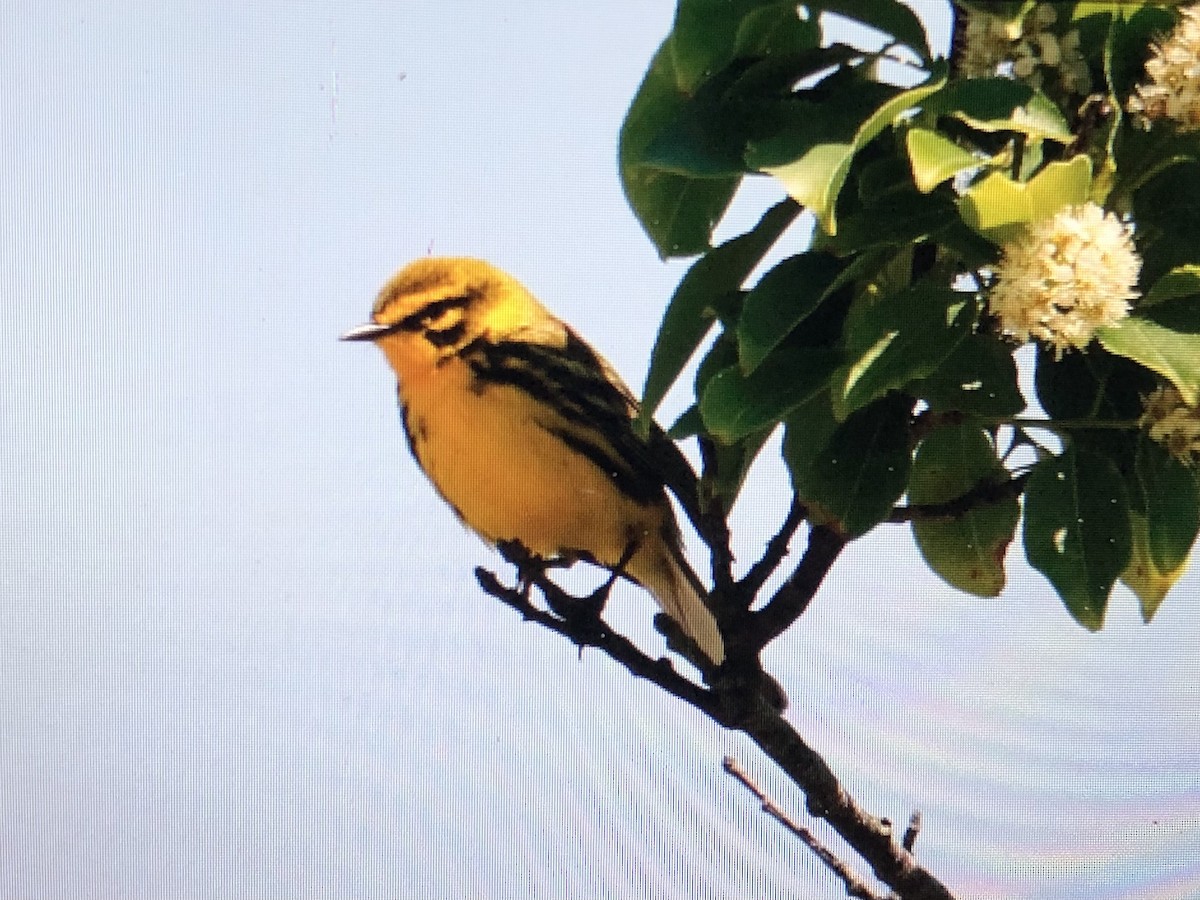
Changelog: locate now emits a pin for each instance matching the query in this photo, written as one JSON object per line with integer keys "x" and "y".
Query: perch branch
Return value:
{"x": 595, "y": 633}
{"x": 742, "y": 707}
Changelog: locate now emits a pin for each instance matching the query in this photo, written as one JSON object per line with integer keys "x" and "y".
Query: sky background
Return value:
{"x": 242, "y": 653}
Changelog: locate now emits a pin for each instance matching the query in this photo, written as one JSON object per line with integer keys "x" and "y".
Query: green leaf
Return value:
{"x": 1172, "y": 354}
{"x": 1166, "y": 493}
{"x": 815, "y": 171}
{"x": 678, "y": 212}
{"x": 1167, "y": 211}
{"x": 1141, "y": 158}
{"x": 783, "y": 297}
{"x": 704, "y": 141}
{"x": 899, "y": 218}
{"x": 1132, "y": 35}
{"x": 1180, "y": 282}
{"x": 830, "y": 111}
{"x": 894, "y": 339}
{"x": 970, "y": 248}
{"x": 720, "y": 356}
{"x": 967, "y": 551}
{"x": 689, "y": 316}
{"x": 935, "y": 158}
{"x": 709, "y": 132}
{"x": 1001, "y": 104}
{"x": 1174, "y": 300}
{"x": 751, "y": 102}
{"x": 1089, "y": 385}
{"x": 888, "y": 16}
{"x": 689, "y": 424}
{"x": 776, "y": 30}
{"x": 735, "y": 405}
{"x": 1000, "y": 208}
{"x": 728, "y": 468}
{"x": 858, "y": 476}
{"x": 815, "y": 178}
{"x": 808, "y": 431}
{"x": 1143, "y": 576}
{"x": 1059, "y": 184}
{"x": 1077, "y": 530}
{"x": 704, "y": 37}
{"x": 773, "y": 77}
{"x": 978, "y": 377}
{"x": 1178, "y": 314}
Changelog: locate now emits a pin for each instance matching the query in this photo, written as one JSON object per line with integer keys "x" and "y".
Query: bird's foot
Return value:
{"x": 582, "y": 612}
{"x": 531, "y": 568}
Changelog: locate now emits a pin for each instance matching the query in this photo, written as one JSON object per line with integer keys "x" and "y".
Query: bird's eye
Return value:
{"x": 448, "y": 335}
{"x": 432, "y": 313}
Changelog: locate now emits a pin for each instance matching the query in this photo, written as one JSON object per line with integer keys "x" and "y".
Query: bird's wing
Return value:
{"x": 588, "y": 407}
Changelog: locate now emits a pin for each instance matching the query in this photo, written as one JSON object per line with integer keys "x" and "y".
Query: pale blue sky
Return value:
{"x": 241, "y": 650}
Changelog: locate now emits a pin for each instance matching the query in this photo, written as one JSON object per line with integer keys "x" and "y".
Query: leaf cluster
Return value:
{"x": 875, "y": 349}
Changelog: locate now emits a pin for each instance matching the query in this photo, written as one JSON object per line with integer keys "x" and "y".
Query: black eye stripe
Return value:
{"x": 446, "y": 337}
{"x": 431, "y": 311}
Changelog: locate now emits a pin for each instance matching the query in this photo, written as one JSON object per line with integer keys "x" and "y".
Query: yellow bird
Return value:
{"x": 527, "y": 432}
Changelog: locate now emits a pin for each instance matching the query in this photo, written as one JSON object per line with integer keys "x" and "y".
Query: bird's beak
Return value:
{"x": 372, "y": 331}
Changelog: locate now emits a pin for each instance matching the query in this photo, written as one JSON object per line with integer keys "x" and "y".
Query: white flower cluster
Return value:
{"x": 1026, "y": 49}
{"x": 1173, "y": 423}
{"x": 1172, "y": 88}
{"x": 988, "y": 43}
{"x": 1066, "y": 277}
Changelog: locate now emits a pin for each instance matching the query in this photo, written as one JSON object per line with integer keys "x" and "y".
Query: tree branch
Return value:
{"x": 870, "y": 837}
{"x": 776, "y": 550}
{"x": 855, "y": 886}
{"x": 584, "y": 632}
{"x": 741, "y": 706}
{"x": 910, "y": 833}
{"x": 791, "y": 600}
{"x": 714, "y": 528}
{"x": 986, "y": 491}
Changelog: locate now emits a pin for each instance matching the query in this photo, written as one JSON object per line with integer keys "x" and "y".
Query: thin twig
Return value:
{"x": 1066, "y": 426}
{"x": 715, "y": 528}
{"x": 825, "y": 544}
{"x": 855, "y": 886}
{"x": 928, "y": 420}
{"x": 986, "y": 491}
{"x": 776, "y": 550}
{"x": 910, "y": 833}
{"x": 870, "y": 836}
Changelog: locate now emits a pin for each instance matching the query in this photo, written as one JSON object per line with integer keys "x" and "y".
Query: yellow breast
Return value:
{"x": 489, "y": 451}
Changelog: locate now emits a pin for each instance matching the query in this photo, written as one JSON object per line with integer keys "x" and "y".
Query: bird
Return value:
{"x": 528, "y": 433}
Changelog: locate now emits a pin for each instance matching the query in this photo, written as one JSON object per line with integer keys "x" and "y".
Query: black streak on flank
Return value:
{"x": 422, "y": 431}
{"x": 639, "y": 489}
{"x": 417, "y": 431}
{"x": 574, "y": 383}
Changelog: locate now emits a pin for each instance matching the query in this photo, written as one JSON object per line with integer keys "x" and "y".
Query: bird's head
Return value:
{"x": 434, "y": 307}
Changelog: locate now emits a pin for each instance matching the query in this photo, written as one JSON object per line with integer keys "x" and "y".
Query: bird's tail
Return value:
{"x": 680, "y": 595}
